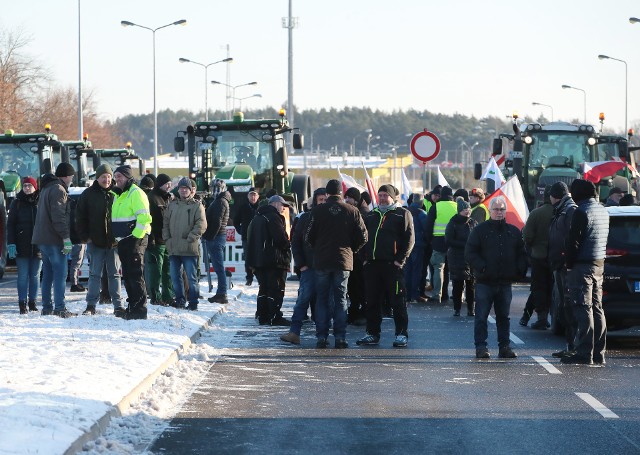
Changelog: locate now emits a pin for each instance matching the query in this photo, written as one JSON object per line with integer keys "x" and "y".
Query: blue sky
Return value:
{"x": 470, "y": 57}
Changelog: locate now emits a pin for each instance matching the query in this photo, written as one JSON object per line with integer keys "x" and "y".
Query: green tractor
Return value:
{"x": 245, "y": 154}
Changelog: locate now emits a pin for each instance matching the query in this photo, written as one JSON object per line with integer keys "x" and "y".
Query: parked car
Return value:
{"x": 621, "y": 284}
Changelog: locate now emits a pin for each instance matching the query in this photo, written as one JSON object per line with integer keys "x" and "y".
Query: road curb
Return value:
{"x": 117, "y": 410}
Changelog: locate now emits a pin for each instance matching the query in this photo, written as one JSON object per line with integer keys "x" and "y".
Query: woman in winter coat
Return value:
{"x": 456, "y": 235}
{"x": 22, "y": 218}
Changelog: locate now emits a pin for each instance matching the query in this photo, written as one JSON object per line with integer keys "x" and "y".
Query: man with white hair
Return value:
{"x": 495, "y": 251}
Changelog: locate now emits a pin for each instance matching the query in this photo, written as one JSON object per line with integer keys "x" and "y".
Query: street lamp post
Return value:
{"x": 606, "y": 57}
{"x": 206, "y": 78}
{"x": 155, "y": 112}
{"x": 233, "y": 92}
{"x": 585, "y": 99}
{"x": 255, "y": 95}
{"x": 545, "y": 105}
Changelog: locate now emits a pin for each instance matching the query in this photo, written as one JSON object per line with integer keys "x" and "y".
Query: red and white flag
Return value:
{"x": 597, "y": 170}
{"x": 370, "y": 188}
{"x": 349, "y": 182}
{"x": 517, "y": 210}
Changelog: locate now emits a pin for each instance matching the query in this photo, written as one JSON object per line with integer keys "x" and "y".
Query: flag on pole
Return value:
{"x": 370, "y": 188}
{"x": 406, "y": 188}
{"x": 441, "y": 180}
{"x": 517, "y": 210}
{"x": 349, "y": 182}
{"x": 597, "y": 170}
{"x": 493, "y": 172}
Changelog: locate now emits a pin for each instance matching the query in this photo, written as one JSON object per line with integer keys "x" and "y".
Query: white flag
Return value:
{"x": 494, "y": 173}
{"x": 441, "y": 180}
{"x": 406, "y": 188}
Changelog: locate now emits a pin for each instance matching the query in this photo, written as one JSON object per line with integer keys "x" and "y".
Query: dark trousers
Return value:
{"x": 541, "y": 286}
{"x": 247, "y": 270}
{"x": 271, "y": 283}
{"x": 131, "y": 251}
{"x": 498, "y": 296}
{"x": 426, "y": 267}
{"x": 584, "y": 284}
{"x": 570, "y": 324}
{"x": 469, "y": 286}
{"x": 385, "y": 280}
{"x": 413, "y": 271}
{"x": 355, "y": 290}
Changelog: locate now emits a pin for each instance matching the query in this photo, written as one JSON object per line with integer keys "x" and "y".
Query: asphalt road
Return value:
{"x": 265, "y": 396}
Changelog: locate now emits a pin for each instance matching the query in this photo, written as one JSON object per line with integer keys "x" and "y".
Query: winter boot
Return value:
{"x": 32, "y": 305}
{"x": 23, "y": 307}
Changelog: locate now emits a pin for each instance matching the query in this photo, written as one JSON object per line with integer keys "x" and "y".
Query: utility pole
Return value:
{"x": 290, "y": 23}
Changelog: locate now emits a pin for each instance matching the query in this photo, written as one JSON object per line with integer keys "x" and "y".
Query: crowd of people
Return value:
{"x": 357, "y": 263}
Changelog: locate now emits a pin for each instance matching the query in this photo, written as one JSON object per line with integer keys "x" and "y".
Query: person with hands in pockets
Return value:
{"x": 52, "y": 235}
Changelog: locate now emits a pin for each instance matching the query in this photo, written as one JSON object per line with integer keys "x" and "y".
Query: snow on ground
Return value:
{"x": 60, "y": 376}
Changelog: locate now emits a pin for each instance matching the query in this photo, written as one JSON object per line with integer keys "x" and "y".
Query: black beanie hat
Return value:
{"x": 390, "y": 190}
{"x": 161, "y": 180}
{"x": 559, "y": 190}
{"x": 65, "y": 170}
{"x": 366, "y": 197}
{"x": 334, "y": 187}
{"x": 125, "y": 170}
{"x": 353, "y": 193}
{"x": 146, "y": 182}
{"x": 582, "y": 189}
{"x": 446, "y": 193}
{"x": 461, "y": 192}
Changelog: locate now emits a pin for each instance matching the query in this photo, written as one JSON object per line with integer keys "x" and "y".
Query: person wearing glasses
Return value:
{"x": 495, "y": 251}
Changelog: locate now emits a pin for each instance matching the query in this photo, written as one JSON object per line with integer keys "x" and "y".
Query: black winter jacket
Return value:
{"x": 391, "y": 235}
{"x": 587, "y": 239}
{"x": 158, "y": 203}
{"x": 495, "y": 251}
{"x": 267, "y": 241}
{"x": 456, "y": 236}
{"x": 93, "y": 216}
{"x": 217, "y": 216}
{"x": 22, "y": 218}
{"x": 336, "y": 231}
{"x": 302, "y": 251}
{"x": 245, "y": 214}
{"x": 559, "y": 230}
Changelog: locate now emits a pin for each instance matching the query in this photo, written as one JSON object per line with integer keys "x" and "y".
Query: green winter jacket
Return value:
{"x": 536, "y": 231}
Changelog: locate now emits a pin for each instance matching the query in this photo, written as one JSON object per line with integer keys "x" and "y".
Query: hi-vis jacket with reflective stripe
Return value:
{"x": 445, "y": 210}
{"x": 130, "y": 213}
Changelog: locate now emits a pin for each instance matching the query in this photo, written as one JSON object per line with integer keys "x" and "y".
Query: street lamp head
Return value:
{"x": 180, "y": 22}
{"x": 252, "y": 83}
{"x": 227, "y": 60}
{"x": 184, "y": 60}
{"x": 634, "y": 20}
{"x": 603, "y": 57}
{"x": 126, "y": 23}
{"x": 566, "y": 86}
{"x": 535, "y": 104}
{"x": 216, "y": 82}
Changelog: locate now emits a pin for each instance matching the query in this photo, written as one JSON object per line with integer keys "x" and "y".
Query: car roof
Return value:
{"x": 629, "y": 210}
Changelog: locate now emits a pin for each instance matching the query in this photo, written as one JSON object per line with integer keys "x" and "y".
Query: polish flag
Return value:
{"x": 370, "y": 188}
{"x": 597, "y": 170}
{"x": 349, "y": 182}
{"x": 517, "y": 210}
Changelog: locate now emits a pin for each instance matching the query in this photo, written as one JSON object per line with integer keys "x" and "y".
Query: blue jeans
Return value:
{"x": 331, "y": 283}
{"x": 498, "y": 295}
{"x": 216, "y": 256}
{"x": 189, "y": 263}
{"x": 413, "y": 273}
{"x": 54, "y": 274}
{"x": 98, "y": 258}
{"x": 77, "y": 256}
{"x": 28, "y": 277}
{"x": 306, "y": 292}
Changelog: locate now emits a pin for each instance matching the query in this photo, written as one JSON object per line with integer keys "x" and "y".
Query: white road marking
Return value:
{"x": 595, "y": 404}
{"x": 546, "y": 365}
{"x": 512, "y": 337}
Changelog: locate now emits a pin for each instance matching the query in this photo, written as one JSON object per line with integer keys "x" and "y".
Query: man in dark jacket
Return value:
{"x": 268, "y": 253}
{"x": 586, "y": 250}
{"x": 356, "y": 314}
{"x": 536, "y": 239}
{"x": 563, "y": 209}
{"x": 390, "y": 241}
{"x": 413, "y": 267}
{"x": 52, "y": 235}
{"x": 495, "y": 251}
{"x": 241, "y": 221}
{"x": 93, "y": 224}
{"x": 336, "y": 232}
{"x": 216, "y": 236}
{"x": 156, "y": 257}
{"x": 303, "y": 258}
